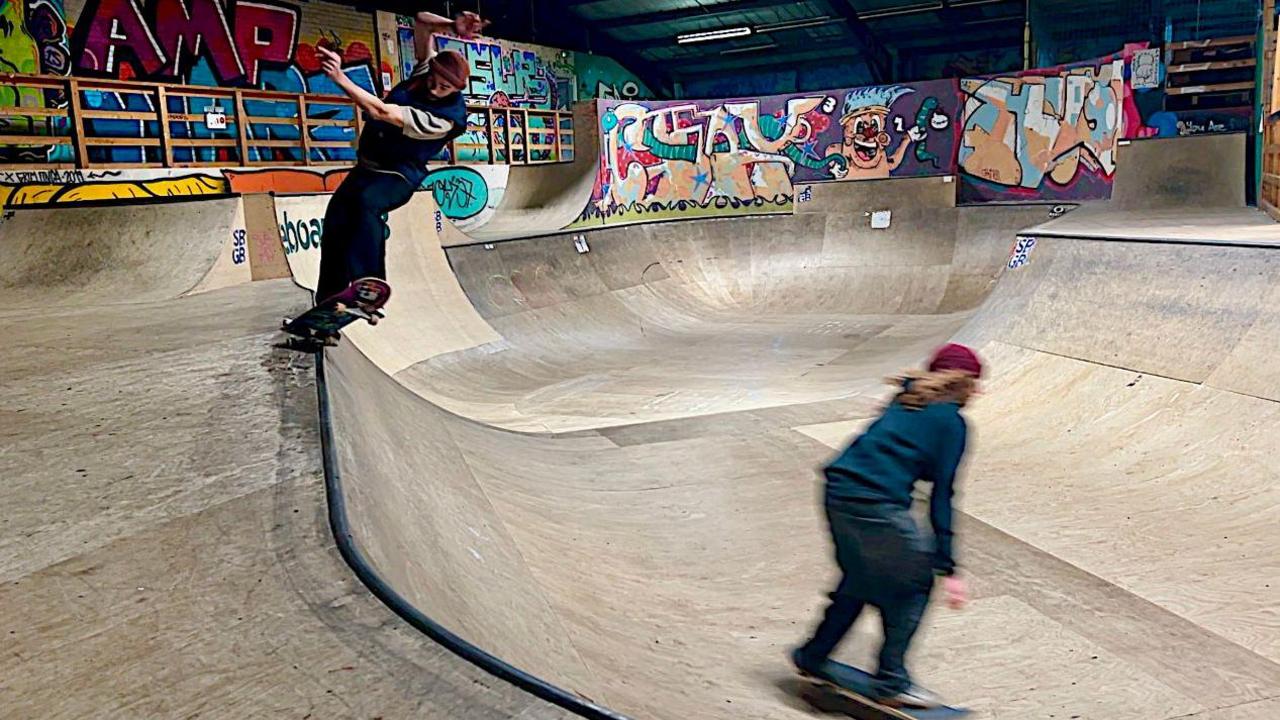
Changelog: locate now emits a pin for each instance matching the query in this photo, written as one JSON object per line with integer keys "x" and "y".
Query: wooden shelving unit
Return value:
{"x": 1210, "y": 74}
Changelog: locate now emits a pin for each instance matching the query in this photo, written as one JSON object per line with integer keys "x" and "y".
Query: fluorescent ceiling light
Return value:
{"x": 793, "y": 24}
{"x": 709, "y": 35}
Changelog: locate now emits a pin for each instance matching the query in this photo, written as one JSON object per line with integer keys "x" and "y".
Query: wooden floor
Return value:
{"x": 605, "y": 471}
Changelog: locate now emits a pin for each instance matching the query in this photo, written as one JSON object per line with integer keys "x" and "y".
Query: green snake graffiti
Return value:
{"x": 923, "y": 118}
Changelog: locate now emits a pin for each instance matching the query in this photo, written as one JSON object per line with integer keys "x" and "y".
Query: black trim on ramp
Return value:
{"x": 340, "y": 527}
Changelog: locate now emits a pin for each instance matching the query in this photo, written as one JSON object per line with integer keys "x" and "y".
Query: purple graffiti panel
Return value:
{"x": 665, "y": 159}
{"x": 1048, "y": 134}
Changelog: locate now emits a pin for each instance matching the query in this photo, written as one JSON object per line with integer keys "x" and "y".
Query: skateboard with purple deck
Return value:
{"x": 322, "y": 325}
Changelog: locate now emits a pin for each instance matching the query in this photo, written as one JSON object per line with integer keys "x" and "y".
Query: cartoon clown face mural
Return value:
{"x": 865, "y": 142}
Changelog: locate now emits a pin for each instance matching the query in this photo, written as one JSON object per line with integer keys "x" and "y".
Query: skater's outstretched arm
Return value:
{"x": 415, "y": 122}
{"x": 466, "y": 26}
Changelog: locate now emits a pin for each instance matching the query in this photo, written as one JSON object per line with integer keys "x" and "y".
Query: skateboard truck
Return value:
{"x": 370, "y": 316}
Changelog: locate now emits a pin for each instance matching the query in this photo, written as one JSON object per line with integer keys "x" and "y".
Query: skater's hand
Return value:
{"x": 468, "y": 24}
{"x": 957, "y": 591}
{"x": 330, "y": 62}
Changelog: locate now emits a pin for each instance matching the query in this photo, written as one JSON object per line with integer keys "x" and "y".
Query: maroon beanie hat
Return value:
{"x": 956, "y": 357}
{"x": 451, "y": 67}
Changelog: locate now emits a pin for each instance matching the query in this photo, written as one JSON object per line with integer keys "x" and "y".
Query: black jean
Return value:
{"x": 886, "y": 563}
{"x": 355, "y": 228}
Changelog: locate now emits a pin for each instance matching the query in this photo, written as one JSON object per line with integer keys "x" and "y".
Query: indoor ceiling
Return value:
{"x": 770, "y": 33}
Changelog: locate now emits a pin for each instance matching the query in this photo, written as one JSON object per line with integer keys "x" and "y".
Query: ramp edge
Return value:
{"x": 339, "y": 525}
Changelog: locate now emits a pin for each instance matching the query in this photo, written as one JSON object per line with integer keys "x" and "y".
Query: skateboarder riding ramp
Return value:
{"x": 600, "y": 467}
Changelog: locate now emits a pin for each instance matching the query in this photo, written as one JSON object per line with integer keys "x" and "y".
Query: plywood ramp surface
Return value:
{"x": 617, "y": 490}
{"x": 121, "y": 253}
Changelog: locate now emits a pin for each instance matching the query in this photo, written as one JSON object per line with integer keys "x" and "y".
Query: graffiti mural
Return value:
{"x": 122, "y": 39}
{"x": 664, "y": 160}
{"x": 603, "y": 78}
{"x": 883, "y": 131}
{"x": 55, "y": 187}
{"x": 661, "y": 160}
{"x": 1184, "y": 123}
{"x": 508, "y": 74}
{"x": 33, "y": 41}
{"x": 468, "y": 196}
{"x": 460, "y": 192}
{"x": 404, "y": 40}
{"x": 1042, "y": 134}
{"x": 241, "y": 43}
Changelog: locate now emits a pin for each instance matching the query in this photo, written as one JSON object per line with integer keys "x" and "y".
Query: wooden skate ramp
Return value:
{"x": 164, "y": 551}
{"x": 119, "y": 253}
{"x": 542, "y": 199}
{"x": 743, "y": 314}
{"x": 1201, "y": 171}
{"x": 617, "y": 492}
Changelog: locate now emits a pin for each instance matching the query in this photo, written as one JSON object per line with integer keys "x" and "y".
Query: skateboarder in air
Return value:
{"x": 886, "y": 561}
{"x": 411, "y": 125}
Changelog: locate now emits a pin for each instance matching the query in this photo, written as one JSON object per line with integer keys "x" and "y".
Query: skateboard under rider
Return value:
{"x": 321, "y": 326}
{"x": 850, "y": 684}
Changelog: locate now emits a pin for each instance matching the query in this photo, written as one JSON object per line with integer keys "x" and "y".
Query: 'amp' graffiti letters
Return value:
{"x": 117, "y": 38}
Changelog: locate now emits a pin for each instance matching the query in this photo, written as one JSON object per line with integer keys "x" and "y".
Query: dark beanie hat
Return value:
{"x": 956, "y": 357}
{"x": 451, "y": 67}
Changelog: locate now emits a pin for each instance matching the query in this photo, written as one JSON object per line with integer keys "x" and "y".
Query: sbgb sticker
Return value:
{"x": 238, "y": 247}
{"x": 1021, "y": 252}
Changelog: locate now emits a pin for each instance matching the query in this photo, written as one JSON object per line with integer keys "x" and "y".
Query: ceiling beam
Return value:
{"x": 953, "y": 15}
{"x": 898, "y": 40}
{"x": 979, "y": 44}
{"x": 876, "y": 57}
{"x": 655, "y": 76}
{"x": 781, "y": 61}
{"x": 943, "y": 6}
